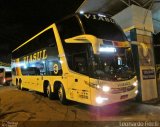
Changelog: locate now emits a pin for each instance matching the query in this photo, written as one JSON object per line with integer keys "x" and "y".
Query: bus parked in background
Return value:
{"x": 84, "y": 57}
{"x": 5, "y": 77}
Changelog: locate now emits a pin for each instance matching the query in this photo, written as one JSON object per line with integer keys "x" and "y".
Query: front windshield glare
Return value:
{"x": 117, "y": 65}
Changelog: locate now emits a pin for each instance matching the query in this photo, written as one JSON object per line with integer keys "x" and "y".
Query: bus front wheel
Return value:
{"x": 62, "y": 95}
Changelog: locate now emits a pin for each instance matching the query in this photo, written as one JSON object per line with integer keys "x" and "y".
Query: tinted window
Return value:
{"x": 102, "y": 27}
{"x": 156, "y": 52}
{"x": 37, "y": 54}
{"x": 14, "y": 71}
{"x": 69, "y": 28}
{"x": 8, "y": 74}
{"x": 76, "y": 54}
{"x": 1, "y": 70}
{"x": 30, "y": 71}
{"x": 44, "y": 40}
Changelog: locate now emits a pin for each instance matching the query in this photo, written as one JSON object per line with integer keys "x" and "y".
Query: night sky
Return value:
{"x": 21, "y": 19}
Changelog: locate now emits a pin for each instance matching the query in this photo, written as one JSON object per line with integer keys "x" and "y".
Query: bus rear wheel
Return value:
{"x": 19, "y": 85}
{"x": 49, "y": 92}
{"x": 62, "y": 95}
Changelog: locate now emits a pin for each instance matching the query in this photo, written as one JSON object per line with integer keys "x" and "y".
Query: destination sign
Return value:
{"x": 100, "y": 18}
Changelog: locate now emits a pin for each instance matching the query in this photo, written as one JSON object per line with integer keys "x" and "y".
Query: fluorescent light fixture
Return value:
{"x": 107, "y": 49}
{"x": 101, "y": 15}
{"x": 81, "y": 12}
{"x": 21, "y": 64}
{"x": 6, "y": 68}
{"x": 32, "y": 65}
{"x": 25, "y": 67}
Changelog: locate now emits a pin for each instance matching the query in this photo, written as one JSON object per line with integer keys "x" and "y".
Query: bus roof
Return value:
{"x": 69, "y": 16}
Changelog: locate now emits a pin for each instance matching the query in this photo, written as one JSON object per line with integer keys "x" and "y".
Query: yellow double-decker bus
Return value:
{"x": 84, "y": 57}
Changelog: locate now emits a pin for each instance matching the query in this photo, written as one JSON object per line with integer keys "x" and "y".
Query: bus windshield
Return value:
{"x": 81, "y": 57}
{"x": 102, "y": 27}
{"x": 113, "y": 66}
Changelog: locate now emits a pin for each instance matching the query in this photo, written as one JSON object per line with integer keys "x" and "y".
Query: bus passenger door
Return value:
{"x": 33, "y": 78}
{"x": 78, "y": 81}
{"x": 81, "y": 84}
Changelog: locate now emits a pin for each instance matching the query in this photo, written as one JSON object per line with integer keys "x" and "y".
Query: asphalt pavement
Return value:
{"x": 29, "y": 106}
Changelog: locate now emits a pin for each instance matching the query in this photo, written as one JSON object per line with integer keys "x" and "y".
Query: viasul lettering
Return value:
{"x": 100, "y": 18}
{"x": 35, "y": 56}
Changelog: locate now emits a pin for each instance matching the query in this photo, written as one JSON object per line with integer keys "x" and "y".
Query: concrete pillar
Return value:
{"x": 138, "y": 26}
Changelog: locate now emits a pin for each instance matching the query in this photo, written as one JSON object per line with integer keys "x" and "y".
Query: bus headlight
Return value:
{"x": 100, "y": 87}
{"x": 103, "y": 88}
{"x": 106, "y": 88}
{"x": 135, "y": 83}
{"x": 100, "y": 100}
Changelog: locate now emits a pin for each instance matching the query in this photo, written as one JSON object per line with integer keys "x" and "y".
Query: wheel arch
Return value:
{"x": 56, "y": 85}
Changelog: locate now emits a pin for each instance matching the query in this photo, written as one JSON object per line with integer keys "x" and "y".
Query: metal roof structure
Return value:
{"x": 112, "y": 7}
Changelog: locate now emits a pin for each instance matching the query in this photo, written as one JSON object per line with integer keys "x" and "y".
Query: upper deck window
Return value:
{"x": 1, "y": 70}
{"x": 8, "y": 74}
{"x": 69, "y": 28}
{"x": 102, "y": 27}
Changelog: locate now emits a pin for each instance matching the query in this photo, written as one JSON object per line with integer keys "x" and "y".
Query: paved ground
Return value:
{"x": 158, "y": 86}
{"x": 26, "y": 106}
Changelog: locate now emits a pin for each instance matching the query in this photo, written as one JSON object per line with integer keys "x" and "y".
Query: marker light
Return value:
{"x": 101, "y": 15}
{"x": 100, "y": 100}
{"x": 136, "y": 91}
{"x": 135, "y": 83}
{"x": 105, "y": 88}
{"x": 107, "y": 49}
{"x": 61, "y": 61}
{"x": 81, "y": 12}
{"x": 98, "y": 86}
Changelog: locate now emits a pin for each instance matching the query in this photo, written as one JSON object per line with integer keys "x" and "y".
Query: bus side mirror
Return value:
{"x": 144, "y": 47}
{"x": 86, "y": 38}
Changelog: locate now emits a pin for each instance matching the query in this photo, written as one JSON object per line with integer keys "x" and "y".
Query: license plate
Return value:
{"x": 124, "y": 96}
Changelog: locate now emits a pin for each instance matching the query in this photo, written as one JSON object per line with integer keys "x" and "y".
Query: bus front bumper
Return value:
{"x": 102, "y": 99}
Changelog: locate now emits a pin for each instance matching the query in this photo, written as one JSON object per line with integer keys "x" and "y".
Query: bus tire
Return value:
{"x": 62, "y": 95}
{"x": 19, "y": 85}
{"x": 158, "y": 74}
{"x": 49, "y": 92}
